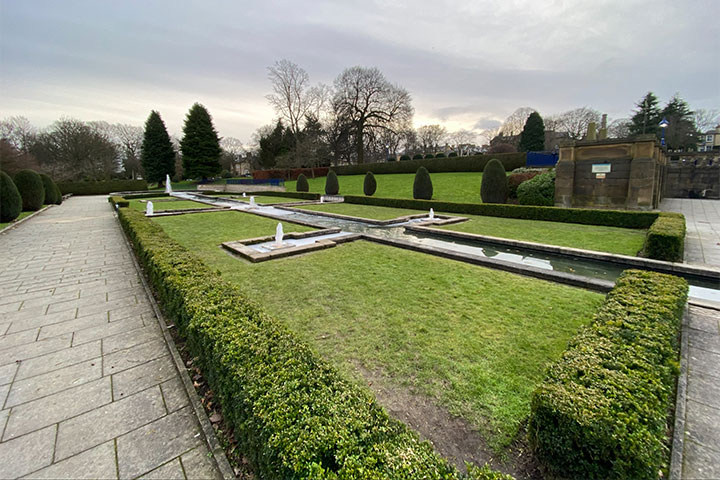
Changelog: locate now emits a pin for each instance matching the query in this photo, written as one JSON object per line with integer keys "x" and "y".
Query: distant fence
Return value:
{"x": 541, "y": 159}
{"x": 273, "y": 182}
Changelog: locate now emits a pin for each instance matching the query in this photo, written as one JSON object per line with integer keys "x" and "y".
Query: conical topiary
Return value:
{"x": 31, "y": 189}
{"x": 422, "y": 187}
{"x": 302, "y": 184}
{"x": 10, "y": 199}
{"x": 494, "y": 187}
{"x": 370, "y": 184}
{"x": 332, "y": 187}
{"x": 50, "y": 190}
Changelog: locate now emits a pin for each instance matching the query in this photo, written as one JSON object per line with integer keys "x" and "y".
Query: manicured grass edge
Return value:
{"x": 293, "y": 414}
{"x": 604, "y": 408}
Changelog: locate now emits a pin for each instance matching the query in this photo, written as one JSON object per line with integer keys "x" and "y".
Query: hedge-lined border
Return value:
{"x": 603, "y": 410}
{"x": 666, "y": 238}
{"x": 101, "y": 188}
{"x": 293, "y": 414}
{"x": 472, "y": 163}
{"x": 118, "y": 201}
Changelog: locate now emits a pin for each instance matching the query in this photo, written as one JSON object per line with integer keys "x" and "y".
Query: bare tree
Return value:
{"x": 487, "y": 134}
{"x": 514, "y": 124}
{"x": 366, "y": 102}
{"x": 463, "y": 141}
{"x": 18, "y": 132}
{"x": 292, "y": 96}
{"x": 706, "y": 119}
{"x": 575, "y": 122}
{"x": 430, "y": 137}
{"x": 619, "y": 128}
{"x": 233, "y": 151}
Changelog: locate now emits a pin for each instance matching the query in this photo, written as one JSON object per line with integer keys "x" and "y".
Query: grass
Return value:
{"x": 161, "y": 204}
{"x": 262, "y": 199}
{"x": 362, "y": 211}
{"x": 184, "y": 185}
{"x": 449, "y": 187}
{"x": 624, "y": 241}
{"x": 20, "y": 217}
{"x": 474, "y": 339}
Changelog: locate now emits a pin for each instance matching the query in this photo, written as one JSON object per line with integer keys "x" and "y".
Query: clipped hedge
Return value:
{"x": 302, "y": 184}
{"x": 118, "y": 201}
{"x": 32, "y": 191}
{"x": 666, "y": 238}
{"x": 539, "y": 190}
{"x": 494, "y": 184}
{"x": 293, "y": 415}
{"x": 51, "y": 191}
{"x": 101, "y": 188}
{"x": 422, "y": 185}
{"x": 332, "y": 187}
{"x": 603, "y": 409}
{"x": 470, "y": 163}
{"x": 10, "y": 199}
{"x": 369, "y": 184}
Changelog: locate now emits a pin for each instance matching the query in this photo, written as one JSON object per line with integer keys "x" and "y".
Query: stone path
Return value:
{"x": 702, "y": 217}
{"x": 88, "y": 388}
{"x": 700, "y": 420}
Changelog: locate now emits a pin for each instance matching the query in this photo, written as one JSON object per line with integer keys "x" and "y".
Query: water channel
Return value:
{"x": 700, "y": 288}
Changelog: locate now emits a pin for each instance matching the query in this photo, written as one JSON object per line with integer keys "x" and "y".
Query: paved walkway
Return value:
{"x": 702, "y": 217}
{"x": 87, "y": 385}
{"x": 701, "y": 420}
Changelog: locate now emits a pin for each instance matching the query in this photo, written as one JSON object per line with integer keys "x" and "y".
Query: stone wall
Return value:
{"x": 692, "y": 175}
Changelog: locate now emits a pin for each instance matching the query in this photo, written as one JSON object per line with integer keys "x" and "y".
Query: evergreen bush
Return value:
{"x": 31, "y": 189}
{"x": 51, "y": 191}
{"x": 532, "y": 138}
{"x": 539, "y": 190}
{"x": 332, "y": 187}
{"x": 440, "y": 155}
{"x": 404, "y": 157}
{"x": 418, "y": 156}
{"x": 370, "y": 184}
{"x": 58, "y": 194}
{"x": 517, "y": 178}
{"x": 422, "y": 187}
{"x": 302, "y": 184}
{"x": 10, "y": 199}
{"x": 429, "y": 155}
{"x": 225, "y": 174}
{"x": 452, "y": 154}
{"x": 494, "y": 185}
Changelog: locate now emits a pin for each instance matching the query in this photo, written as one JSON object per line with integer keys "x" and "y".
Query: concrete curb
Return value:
{"x": 678, "y": 441}
{"x": 211, "y": 440}
{"x": 13, "y": 225}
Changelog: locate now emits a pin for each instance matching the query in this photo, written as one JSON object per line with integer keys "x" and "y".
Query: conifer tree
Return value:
{"x": 647, "y": 116}
{"x": 200, "y": 145}
{"x": 158, "y": 155}
{"x": 532, "y": 138}
{"x": 681, "y": 131}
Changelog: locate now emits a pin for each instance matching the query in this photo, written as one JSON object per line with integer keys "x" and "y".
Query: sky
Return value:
{"x": 467, "y": 64}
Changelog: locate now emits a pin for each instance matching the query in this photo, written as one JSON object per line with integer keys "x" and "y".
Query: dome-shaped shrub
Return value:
{"x": 440, "y": 155}
{"x": 58, "y": 195}
{"x": 422, "y": 187}
{"x": 10, "y": 199}
{"x": 452, "y": 154}
{"x": 50, "y": 190}
{"x": 302, "y": 184}
{"x": 31, "y": 189}
{"x": 539, "y": 190}
{"x": 404, "y": 157}
{"x": 418, "y": 156}
{"x": 494, "y": 187}
{"x": 429, "y": 155}
{"x": 332, "y": 187}
{"x": 369, "y": 184}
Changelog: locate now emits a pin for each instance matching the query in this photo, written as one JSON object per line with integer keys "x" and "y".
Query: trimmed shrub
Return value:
{"x": 102, "y": 188}
{"x": 470, "y": 163}
{"x": 293, "y": 414}
{"x": 666, "y": 238}
{"x": 225, "y": 174}
{"x": 10, "y": 199}
{"x": 539, "y": 190}
{"x": 515, "y": 179}
{"x": 422, "y": 186}
{"x": 369, "y": 184}
{"x": 50, "y": 190}
{"x": 429, "y": 155}
{"x": 302, "y": 183}
{"x": 58, "y": 194}
{"x": 118, "y": 201}
{"x": 31, "y": 189}
{"x": 602, "y": 410}
{"x": 332, "y": 187}
{"x": 404, "y": 158}
{"x": 452, "y": 154}
{"x": 440, "y": 155}
{"x": 417, "y": 156}
{"x": 494, "y": 187}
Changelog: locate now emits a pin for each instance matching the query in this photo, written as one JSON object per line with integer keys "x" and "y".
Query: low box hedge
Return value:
{"x": 471, "y": 163}
{"x": 666, "y": 238}
{"x": 293, "y": 415}
{"x": 101, "y": 188}
{"x": 604, "y": 409}
{"x": 118, "y": 201}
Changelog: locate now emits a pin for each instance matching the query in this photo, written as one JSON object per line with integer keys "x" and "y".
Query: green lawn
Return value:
{"x": 474, "y": 339}
{"x": 449, "y": 187}
{"x": 184, "y": 185}
{"x": 161, "y": 204}
{"x": 20, "y": 217}
{"x": 625, "y": 241}
{"x": 362, "y": 211}
{"x": 262, "y": 199}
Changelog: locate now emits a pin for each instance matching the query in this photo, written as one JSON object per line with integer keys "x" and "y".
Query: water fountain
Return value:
{"x": 149, "y": 210}
{"x": 322, "y": 199}
{"x": 168, "y": 187}
{"x": 252, "y": 202}
{"x": 279, "y": 236}
{"x": 244, "y": 195}
{"x": 432, "y": 215}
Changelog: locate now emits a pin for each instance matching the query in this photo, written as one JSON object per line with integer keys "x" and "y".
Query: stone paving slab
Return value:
{"x": 88, "y": 388}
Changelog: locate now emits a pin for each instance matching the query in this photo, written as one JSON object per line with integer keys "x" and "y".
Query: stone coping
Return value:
{"x": 183, "y": 211}
{"x": 241, "y": 247}
{"x": 647, "y": 263}
{"x": 678, "y": 439}
{"x": 438, "y": 220}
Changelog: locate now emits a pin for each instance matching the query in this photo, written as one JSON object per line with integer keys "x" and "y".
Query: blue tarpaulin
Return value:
{"x": 541, "y": 159}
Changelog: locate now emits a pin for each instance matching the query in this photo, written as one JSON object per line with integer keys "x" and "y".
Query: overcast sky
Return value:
{"x": 467, "y": 64}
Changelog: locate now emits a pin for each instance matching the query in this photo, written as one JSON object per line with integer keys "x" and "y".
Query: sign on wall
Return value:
{"x": 601, "y": 167}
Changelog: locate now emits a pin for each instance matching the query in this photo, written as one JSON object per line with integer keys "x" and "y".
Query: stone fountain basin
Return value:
{"x": 261, "y": 249}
